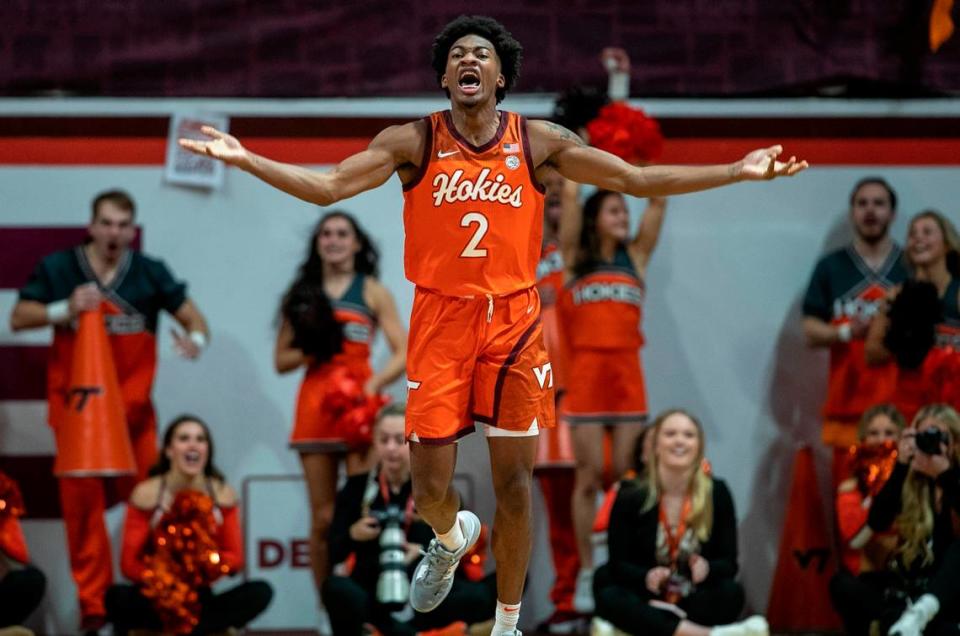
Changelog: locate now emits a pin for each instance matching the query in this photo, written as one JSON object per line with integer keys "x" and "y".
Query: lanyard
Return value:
{"x": 674, "y": 539}
{"x": 385, "y": 494}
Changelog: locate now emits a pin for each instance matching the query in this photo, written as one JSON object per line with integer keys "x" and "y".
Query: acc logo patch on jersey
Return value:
{"x": 513, "y": 162}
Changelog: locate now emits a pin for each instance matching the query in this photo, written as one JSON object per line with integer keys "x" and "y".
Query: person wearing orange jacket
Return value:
{"x": 21, "y": 584}
{"x": 131, "y": 289}
{"x": 184, "y": 473}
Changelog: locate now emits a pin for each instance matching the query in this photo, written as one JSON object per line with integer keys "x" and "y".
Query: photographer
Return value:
{"x": 673, "y": 545}
{"x": 921, "y": 498}
{"x": 369, "y": 511}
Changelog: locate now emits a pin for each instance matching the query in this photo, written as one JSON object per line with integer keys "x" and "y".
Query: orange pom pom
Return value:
{"x": 178, "y": 567}
{"x": 11, "y": 501}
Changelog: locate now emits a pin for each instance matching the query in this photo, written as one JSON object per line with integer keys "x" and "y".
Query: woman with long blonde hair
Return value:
{"x": 673, "y": 545}
{"x": 921, "y": 498}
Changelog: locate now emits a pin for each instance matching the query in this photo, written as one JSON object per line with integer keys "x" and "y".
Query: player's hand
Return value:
{"x": 184, "y": 345}
{"x": 222, "y": 146}
{"x": 365, "y": 529}
{"x": 86, "y": 297}
{"x": 656, "y": 577}
{"x": 699, "y": 569}
{"x": 762, "y": 165}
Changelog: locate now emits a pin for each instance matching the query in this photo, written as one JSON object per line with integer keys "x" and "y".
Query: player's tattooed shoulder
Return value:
{"x": 563, "y": 133}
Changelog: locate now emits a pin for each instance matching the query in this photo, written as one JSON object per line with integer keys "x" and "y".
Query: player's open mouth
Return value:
{"x": 469, "y": 82}
{"x": 191, "y": 457}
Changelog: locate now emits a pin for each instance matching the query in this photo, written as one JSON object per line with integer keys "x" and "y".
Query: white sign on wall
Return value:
{"x": 276, "y": 521}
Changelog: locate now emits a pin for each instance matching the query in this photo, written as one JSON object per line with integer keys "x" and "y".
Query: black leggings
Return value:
{"x": 128, "y": 609}
{"x": 20, "y": 593}
{"x": 715, "y": 603}
{"x": 349, "y": 606}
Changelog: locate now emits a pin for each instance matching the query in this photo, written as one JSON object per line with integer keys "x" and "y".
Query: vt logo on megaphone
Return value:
{"x": 83, "y": 393}
{"x": 92, "y": 439}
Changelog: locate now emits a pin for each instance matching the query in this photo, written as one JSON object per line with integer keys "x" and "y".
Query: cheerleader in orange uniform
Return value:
{"x": 599, "y": 311}
{"x": 555, "y": 464}
{"x": 328, "y": 319}
{"x": 183, "y": 484}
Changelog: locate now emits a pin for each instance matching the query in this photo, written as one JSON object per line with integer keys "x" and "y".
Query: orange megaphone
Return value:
{"x": 92, "y": 439}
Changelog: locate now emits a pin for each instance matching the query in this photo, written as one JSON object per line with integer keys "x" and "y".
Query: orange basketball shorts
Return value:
{"x": 477, "y": 359}
{"x": 605, "y": 386}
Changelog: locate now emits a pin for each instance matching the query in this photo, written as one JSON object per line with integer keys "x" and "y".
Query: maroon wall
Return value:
{"x": 374, "y": 47}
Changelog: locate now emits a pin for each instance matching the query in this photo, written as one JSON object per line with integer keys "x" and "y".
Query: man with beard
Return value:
{"x": 131, "y": 289}
{"x": 845, "y": 292}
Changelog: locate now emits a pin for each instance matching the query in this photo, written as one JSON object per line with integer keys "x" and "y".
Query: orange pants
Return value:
{"x": 83, "y": 501}
{"x": 556, "y": 484}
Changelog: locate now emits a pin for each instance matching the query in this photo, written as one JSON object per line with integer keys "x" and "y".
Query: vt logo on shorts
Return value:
{"x": 542, "y": 373}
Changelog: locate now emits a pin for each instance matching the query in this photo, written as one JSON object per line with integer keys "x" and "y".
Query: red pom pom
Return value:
{"x": 352, "y": 410}
{"x": 627, "y": 133}
{"x": 872, "y": 465}
{"x": 178, "y": 567}
{"x": 11, "y": 501}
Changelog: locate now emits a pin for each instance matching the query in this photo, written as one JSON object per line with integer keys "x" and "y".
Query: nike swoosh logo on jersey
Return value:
{"x": 441, "y": 154}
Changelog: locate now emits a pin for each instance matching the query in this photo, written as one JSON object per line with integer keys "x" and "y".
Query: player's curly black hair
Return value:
{"x": 508, "y": 49}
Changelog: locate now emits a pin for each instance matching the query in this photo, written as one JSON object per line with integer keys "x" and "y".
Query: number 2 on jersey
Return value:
{"x": 471, "y": 250}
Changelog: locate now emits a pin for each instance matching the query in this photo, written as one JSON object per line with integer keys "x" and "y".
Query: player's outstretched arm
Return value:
{"x": 358, "y": 173}
{"x": 571, "y": 157}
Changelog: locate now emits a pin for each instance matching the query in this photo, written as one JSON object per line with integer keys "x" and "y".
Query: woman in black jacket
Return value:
{"x": 673, "y": 545}
{"x": 922, "y": 501}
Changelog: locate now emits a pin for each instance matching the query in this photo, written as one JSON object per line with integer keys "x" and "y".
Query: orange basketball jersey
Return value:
{"x": 473, "y": 217}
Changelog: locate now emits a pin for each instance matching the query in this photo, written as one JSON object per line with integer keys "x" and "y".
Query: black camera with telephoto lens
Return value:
{"x": 929, "y": 440}
{"x": 393, "y": 586}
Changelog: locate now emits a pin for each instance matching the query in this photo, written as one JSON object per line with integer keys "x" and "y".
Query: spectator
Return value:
{"x": 329, "y": 317}
{"x": 132, "y": 288}
{"x": 843, "y": 296}
{"x": 184, "y": 473}
{"x": 920, "y": 500}
{"x": 354, "y": 600}
{"x": 864, "y": 555}
{"x": 673, "y": 545}
{"x": 21, "y": 585}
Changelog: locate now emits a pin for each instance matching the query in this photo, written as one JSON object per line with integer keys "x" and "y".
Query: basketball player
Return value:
{"x": 473, "y": 206}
